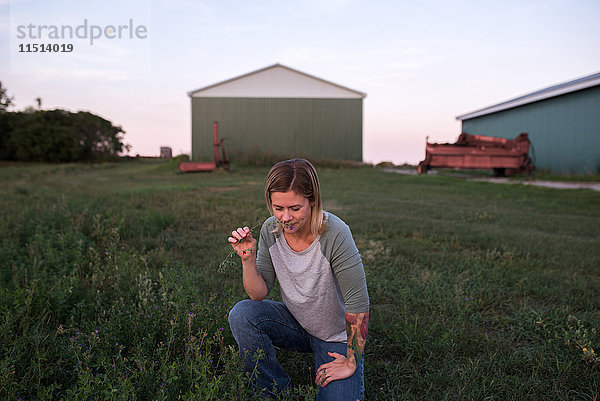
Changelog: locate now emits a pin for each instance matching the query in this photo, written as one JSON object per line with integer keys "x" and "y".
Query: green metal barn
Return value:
{"x": 281, "y": 111}
{"x": 563, "y": 123}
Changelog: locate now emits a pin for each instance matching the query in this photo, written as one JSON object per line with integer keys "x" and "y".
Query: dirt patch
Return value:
{"x": 331, "y": 204}
{"x": 221, "y": 189}
{"x": 594, "y": 186}
{"x": 371, "y": 251}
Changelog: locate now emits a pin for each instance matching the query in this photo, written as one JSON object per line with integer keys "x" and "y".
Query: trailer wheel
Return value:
{"x": 499, "y": 172}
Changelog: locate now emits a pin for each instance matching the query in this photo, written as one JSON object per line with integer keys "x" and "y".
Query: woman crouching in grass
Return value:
{"x": 325, "y": 307}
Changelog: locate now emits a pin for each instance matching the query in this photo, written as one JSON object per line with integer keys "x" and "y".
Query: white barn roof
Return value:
{"x": 552, "y": 91}
{"x": 277, "y": 81}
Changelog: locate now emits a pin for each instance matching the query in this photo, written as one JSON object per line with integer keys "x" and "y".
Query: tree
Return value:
{"x": 45, "y": 136}
{"x": 5, "y": 100}
{"x": 59, "y": 136}
{"x": 97, "y": 136}
{"x": 56, "y": 135}
{"x": 5, "y": 123}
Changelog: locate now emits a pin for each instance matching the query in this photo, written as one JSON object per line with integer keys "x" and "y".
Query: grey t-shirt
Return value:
{"x": 320, "y": 283}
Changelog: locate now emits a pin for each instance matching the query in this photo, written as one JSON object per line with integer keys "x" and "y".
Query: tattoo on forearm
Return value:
{"x": 357, "y": 327}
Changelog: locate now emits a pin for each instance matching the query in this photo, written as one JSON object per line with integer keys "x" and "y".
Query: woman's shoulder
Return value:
{"x": 270, "y": 222}
{"x": 269, "y": 225}
{"x": 267, "y": 231}
{"x": 334, "y": 224}
{"x": 337, "y": 238}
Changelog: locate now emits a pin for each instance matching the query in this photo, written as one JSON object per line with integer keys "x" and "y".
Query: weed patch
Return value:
{"x": 109, "y": 284}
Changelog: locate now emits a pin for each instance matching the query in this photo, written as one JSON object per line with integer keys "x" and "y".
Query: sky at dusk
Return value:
{"x": 421, "y": 63}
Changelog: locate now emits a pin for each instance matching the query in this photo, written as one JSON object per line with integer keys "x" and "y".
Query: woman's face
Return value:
{"x": 293, "y": 211}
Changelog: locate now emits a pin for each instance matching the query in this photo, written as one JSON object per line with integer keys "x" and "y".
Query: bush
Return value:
{"x": 58, "y": 136}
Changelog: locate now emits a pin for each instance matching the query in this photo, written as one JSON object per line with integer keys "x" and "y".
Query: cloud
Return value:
{"x": 79, "y": 74}
{"x": 185, "y": 10}
{"x": 388, "y": 67}
{"x": 329, "y": 6}
{"x": 382, "y": 69}
{"x": 305, "y": 55}
{"x": 104, "y": 62}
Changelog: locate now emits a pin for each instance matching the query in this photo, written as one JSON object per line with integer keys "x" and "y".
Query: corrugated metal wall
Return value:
{"x": 564, "y": 130}
{"x": 319, "y": 128}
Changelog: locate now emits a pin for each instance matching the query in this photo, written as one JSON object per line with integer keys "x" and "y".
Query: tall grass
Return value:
{"x": 109, "y": 286}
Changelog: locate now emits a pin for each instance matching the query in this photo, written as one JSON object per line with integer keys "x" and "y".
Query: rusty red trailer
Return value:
{"x": 187, "y": 167}
{"x": 504, "y": 156}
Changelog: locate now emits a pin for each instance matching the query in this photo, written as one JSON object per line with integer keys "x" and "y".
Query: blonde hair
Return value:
{"x": 300, "y": 176}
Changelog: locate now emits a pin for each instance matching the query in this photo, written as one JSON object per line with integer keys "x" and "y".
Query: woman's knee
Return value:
{"x": 241, "y": 313}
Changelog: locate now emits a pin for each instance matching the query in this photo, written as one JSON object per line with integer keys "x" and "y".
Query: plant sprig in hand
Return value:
{"x": 229, "y": 261}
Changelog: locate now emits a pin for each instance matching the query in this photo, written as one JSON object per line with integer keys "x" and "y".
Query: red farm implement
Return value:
{"x": 188, "y": 167}
{"x": 504, "y": 156}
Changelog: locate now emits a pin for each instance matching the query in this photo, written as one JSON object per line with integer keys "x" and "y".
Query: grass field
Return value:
{"x": 109, "y": 285}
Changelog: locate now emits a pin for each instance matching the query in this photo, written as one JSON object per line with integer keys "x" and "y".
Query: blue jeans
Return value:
{"x": 267, "y": 324}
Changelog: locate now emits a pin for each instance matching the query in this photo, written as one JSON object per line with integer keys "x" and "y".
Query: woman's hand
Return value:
{"x": 244, "y": 244}
{"x": 339, "y": 368}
